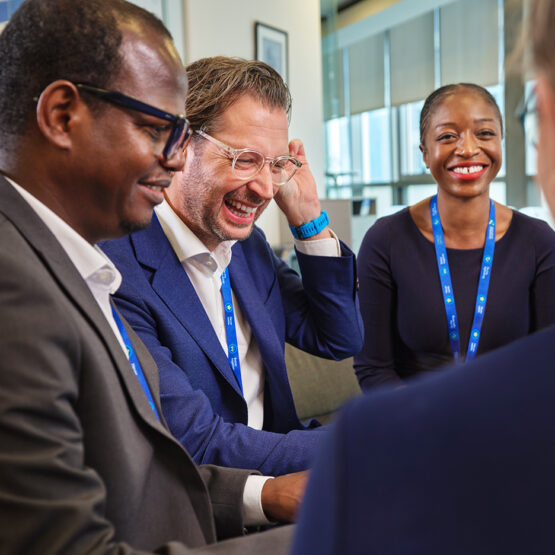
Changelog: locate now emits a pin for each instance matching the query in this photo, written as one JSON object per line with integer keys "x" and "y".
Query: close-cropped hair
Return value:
{"x": 214, "y": 84}
{"x": 439, "y": 95}
{"x": 46, "y": 40}
{"x": 541, "y": 33}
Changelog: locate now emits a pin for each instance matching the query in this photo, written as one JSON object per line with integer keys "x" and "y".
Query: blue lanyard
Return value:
{"x": 134, "y": 361}
{"x": 447, "y": 288}
{"x": 231, "y": 334}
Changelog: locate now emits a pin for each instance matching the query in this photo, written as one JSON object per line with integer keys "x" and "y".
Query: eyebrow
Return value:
{"x": 480, "y": 120}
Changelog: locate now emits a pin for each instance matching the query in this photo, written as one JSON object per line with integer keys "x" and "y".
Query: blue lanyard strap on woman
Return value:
{"x": 134, "y": 361}
{"x": 231, "y": 334}
{"x": 447, "y": 287}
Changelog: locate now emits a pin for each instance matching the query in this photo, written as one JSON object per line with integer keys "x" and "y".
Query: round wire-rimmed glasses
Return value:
{"x": 247, "y": 163}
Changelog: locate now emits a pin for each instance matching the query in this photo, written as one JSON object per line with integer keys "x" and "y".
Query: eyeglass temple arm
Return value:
{"x": 129, "y": 102}
{"x": 227, "y": 148}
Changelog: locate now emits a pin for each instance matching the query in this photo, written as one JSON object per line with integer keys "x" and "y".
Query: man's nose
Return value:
{"x": 262, "y": 183}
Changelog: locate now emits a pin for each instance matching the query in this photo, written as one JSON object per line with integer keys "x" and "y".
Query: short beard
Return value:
{"x": 223, "y": 236}
{"x": 192, "y": 212}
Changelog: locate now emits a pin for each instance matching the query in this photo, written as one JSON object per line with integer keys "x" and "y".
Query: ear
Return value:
{"x": 59, "y": 110}
{"x": 424, "y": 154}
{"x": 186, "y": 148}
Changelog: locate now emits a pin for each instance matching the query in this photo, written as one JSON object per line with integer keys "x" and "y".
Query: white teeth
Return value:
{"x": 468, "y": 169}
{"x": 155, "y": 187}
{"x": 245, "y": 211}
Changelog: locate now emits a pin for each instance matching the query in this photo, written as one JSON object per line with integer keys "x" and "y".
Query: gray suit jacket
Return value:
{"x": 85, "y": 466}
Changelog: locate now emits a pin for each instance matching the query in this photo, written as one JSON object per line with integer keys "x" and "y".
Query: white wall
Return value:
{"x": 225, "y": 27}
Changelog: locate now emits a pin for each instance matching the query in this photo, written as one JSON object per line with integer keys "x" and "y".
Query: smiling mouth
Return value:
{"x": 153, "y": 192}
{"x": 158, "y": 186}
{"x": 239, "y": 209}
{"x": 466, "y": 170}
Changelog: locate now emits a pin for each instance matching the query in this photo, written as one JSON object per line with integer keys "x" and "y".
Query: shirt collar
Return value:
{"x": 91, "y": 263}
{"x": 187, "y": 246}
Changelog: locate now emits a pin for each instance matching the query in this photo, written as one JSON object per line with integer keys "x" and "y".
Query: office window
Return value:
{"x": 371, "y": 140}
{"x": 411, "y": 156}
{"x": 334, "y": 86}
{"x": 338, "y": 151}
{"x": 416, "y": 193}
{"x": 498, "y": 92}
{"x": 469, "y": 41}
{"x": 412, "y": 59}
{"x": 498, "y": 191}
{"x": 531, "y": 152}
{"x": 340, "y": 193}
{"x": 366, "y": 74}
{"x": 383, "y": 198}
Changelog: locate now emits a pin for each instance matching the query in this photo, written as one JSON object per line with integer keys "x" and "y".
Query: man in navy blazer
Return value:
{"x": 239, "y": 159}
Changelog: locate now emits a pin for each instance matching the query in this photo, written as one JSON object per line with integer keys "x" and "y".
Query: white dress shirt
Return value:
{"x": 103, "y": 280}
{"x": 98, "y": 271}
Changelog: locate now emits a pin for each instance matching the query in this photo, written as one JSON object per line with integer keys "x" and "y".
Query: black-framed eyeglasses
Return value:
{"x": 247, "y": 162}
{"x": 527, "y": 113}
{"x": 177, "y": 135}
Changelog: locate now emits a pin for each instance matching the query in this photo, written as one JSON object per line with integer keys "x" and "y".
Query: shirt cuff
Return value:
{"x": 253, "y": 514}
{"x": 320, "y": 247}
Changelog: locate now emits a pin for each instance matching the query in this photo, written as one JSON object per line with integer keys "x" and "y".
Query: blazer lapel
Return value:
{"x": 53, "y": 256}
{"x": 172, "y": 285}
{"x": 279, "y": 409}
{"x": 254, "y": 309}
{"x": 150, "y": 372}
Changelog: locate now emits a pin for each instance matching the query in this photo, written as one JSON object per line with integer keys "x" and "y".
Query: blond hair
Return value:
{"x": 216, "y": 83}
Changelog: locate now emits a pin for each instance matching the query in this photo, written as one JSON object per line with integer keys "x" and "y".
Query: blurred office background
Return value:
{"x": 380, "y": 60}
{"x": 359, "y": 71}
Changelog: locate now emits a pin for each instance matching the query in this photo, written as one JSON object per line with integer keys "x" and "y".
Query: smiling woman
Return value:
{"x": 457, "y": 274}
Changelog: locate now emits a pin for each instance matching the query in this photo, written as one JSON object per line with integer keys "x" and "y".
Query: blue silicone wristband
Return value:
{"x": 310, "y": 228}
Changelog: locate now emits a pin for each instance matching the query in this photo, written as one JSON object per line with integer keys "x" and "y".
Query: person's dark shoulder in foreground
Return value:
{"x": 461, "y": 462}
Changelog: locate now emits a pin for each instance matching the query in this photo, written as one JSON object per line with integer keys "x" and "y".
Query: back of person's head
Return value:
{"x": 46, "y": 40}
{"x": 216, "y": 83}
{"x": 541, "y": 34}
{"x": 436, "y": 98}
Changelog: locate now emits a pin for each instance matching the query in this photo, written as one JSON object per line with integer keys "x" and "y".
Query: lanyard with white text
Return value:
{"x": 134, "y": 361}
{"x": 447, "y": 288}
{"x": 231, "y": 334}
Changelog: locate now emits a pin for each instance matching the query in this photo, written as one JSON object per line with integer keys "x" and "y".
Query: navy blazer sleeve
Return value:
{"x": 320, "y": 308}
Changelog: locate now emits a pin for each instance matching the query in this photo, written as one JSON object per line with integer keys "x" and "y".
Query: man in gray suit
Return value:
{"x": 89, "y": 92}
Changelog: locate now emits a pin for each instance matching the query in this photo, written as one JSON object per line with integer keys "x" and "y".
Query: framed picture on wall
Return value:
{"x": 272, "y": 48}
